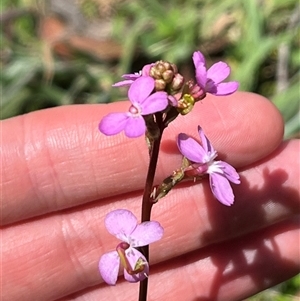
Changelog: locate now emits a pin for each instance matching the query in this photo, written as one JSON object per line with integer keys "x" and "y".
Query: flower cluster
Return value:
{"x": 157, "y": 95}
{"x": 123, "y": 225}
{"x": 158, "y": 88}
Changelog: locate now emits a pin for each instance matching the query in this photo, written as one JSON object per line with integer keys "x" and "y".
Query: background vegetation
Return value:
{"x": 67, "y": 52}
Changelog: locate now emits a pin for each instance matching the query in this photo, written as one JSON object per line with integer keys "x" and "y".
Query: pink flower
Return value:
{"x": 143, "y": 102}
{"x": 203, "y": 162}
{"x": 123, "y": 225}
{"x": 211, "y": 80}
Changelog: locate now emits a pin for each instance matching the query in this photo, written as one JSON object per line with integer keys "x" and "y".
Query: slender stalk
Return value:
{"x": 147, "y": 203}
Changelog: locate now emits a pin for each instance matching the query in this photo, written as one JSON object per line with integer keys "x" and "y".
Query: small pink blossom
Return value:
{"x": 202, "y": 157}
{"x": 143, "y": 102}
{"x": 123, "y": 225}
{"x": 211, "y": 80}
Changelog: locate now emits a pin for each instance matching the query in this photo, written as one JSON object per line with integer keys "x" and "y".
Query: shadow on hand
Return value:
{"x": 253, "y": 251}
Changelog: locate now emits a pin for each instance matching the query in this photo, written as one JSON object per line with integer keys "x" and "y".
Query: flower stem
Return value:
{"x": 147, "y": 203}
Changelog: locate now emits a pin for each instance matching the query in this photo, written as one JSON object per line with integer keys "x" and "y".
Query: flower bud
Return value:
{"x": 174, "y": 68}
{"x": 160, "y": 66}
{"x": 155, "y": 73}
{"x": 168, "y": 76}
{"x": 177, "y": 82}
{"x": 160, "y": 85}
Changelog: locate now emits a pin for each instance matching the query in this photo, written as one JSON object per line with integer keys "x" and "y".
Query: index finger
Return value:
{"x": 59, "y": 159}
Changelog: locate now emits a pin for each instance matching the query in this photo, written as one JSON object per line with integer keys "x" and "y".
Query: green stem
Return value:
{"x": 147, "y": 203}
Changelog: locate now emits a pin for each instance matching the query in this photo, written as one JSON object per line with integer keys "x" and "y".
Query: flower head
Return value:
{"x": 123, "y": 225}
{"x": 143, "y": 102}
{"x": 211, "y": 80}
{"x": 203, "y": 162}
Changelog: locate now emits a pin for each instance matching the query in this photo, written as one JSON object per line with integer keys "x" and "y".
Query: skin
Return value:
{"x": 61, "y": 176}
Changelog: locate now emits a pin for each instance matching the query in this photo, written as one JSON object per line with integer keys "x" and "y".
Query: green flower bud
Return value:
{"x": 185, "y": 104}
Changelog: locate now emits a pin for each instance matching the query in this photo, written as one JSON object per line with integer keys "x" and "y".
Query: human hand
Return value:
{"x": 61, "y": 176}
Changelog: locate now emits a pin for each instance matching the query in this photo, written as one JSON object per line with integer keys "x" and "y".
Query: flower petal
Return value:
{"x": 135, "y": 127}
{"x": 146, "y": 69}
{"x": 199, "y": 63}
{"x": 133, "y": 256}
{"x": 201, "y": 77}
{"x": 173, "y": 101}
{"x": 198, "y": 58}
{"x": 113, "y": 123}
{"x": 208, "y": 148}
{"x": 132, "y": 76}
{"x": 141, "y": 89}
{"x": 129, "y": 79}
{"x": 230, "y": 172}
{"x": 122, "y": 83}
{"x": 146, "y": 233}
{"x": 120, "y": 223}
{"x": 226, "y": 88}
{"x": 109, "y": 267}
{"x": 218, "y": 72}
{"x": 156, "y": 102}
{"x": 190, "y": 148}
{"x": 221, "y": 188}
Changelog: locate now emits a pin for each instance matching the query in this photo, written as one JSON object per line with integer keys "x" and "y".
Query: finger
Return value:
{"x": 67, "y": 252}
{"x": 59, "y": 159}
{"x": 228, "y": 271}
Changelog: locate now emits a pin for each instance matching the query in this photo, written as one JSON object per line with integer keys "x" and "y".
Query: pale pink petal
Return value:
{"x": 135, "y": 127}
{"x": 141, "y": 89}
{"x": 146, "y": 233}
{"x": 156, "y": 102}
{"x": 208, "y": 148}
{"x": 226, "y": 88}
{"x": 129, "y": 79}
{"x": 218, "y": 72}
{"x": 190, "y": 148}
{"x": 123, "y": 83}
{"x": 120, "y": 223}
{"x": 230, "y": 172}
{"x": 132, "y": 76}
{"x": 221, "y": 188}
{"x": 109, "y": 267}
{"x": 113, "y": 123}
{"x": 133, "y": 256}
